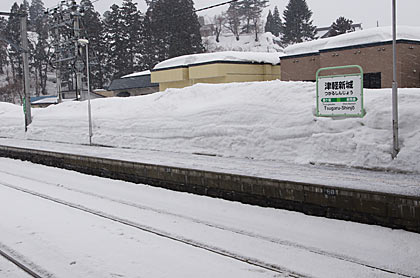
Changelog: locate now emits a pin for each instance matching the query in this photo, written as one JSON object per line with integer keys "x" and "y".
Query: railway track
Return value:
{"x": 248, "y": 260}
{"x": 222, "y": 252}
{"x": 23, "y": 264}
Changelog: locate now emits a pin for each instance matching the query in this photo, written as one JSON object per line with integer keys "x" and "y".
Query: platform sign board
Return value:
{"x": 340, "y": 95}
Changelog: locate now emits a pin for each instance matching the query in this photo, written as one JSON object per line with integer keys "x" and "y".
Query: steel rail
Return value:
{"x": 20, "y": 265}
{"x": 163, "y": 234}
{"x": 190, "y": 242}
{"x": 217, "y": 226}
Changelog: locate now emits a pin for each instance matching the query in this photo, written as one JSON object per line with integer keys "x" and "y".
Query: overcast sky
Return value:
{"x": 368, "y": 12}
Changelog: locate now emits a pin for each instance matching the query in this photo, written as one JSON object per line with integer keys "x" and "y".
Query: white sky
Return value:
{"x": 368, "y": 12}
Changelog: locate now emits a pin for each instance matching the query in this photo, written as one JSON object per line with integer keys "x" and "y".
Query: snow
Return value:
{"x": 263, "y": 127}
{"x": 267, "y": 42}
{"x": 92, "y": 246}
{"x": 372, "y": 35}
{"x": 228, "y": 56}
{"x": 135, "y": 74}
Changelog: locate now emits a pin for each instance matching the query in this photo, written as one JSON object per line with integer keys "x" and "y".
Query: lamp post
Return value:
{"x": 85, "y": 42}
{"x": 395, "y": 148}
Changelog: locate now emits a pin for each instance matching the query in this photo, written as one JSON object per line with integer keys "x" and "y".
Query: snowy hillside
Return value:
{"x": 259, "y": 120}
{"x": 266, "y": 43}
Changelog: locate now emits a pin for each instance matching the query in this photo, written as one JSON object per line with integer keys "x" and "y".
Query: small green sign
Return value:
{"x": 345, "y": 99}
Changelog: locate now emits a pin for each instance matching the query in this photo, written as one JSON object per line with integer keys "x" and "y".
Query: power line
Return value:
{"x": 214, "y": 6}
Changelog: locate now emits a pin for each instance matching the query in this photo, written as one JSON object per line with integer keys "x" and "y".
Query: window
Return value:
{"x": 123, "y": 94}
{"x": 372, "y": 80}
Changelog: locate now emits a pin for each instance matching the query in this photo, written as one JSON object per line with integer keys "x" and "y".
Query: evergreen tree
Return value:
{"x": 94, "y": 31}
{"x": 12, "y": 34}
{"x": 298, "y": 25}
{"x": 149, "y": 51}
{"x": 36, "y": 14}
{"x": 175, "y": 28}
{"x": 341, "y": 26}
{"x": 40, "y": 55}
{"x": 124, "y": 38}
{"x": 269, "y": 23}
{"x": 132, "y": 21}
{"x": 3, "y": 45}
{"x": 114, "y": 40}
{"x": 277, "y": 24}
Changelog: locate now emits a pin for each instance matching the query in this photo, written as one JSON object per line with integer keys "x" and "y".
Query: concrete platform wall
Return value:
{"x": 389, "y": 210}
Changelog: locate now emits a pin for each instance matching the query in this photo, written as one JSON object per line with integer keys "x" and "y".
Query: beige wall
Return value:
{"x": 214, "y": 74}
{"x": 371, "y": 59}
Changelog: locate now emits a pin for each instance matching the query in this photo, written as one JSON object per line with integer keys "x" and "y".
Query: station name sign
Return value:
{"x": 340, "y": 95}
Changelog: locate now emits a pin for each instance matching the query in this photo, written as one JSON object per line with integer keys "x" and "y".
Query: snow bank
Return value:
{"x": 260, "y": 120}
{"x": 373, "y": 35}
{"x": 229, "y": 56}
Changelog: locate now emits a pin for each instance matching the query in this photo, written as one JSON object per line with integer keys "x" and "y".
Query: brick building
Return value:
{"x": 371, "y": 49}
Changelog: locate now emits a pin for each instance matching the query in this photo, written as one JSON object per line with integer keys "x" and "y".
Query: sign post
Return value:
{"x": 340, "y": 95}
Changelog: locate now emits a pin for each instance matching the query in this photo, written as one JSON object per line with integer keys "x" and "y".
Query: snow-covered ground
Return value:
{"x": 272, "y": 121}
{"x": 64, "y": 241}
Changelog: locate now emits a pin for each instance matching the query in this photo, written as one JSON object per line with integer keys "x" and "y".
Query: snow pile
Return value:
{"x": 373, "y": 35}
{"x": 12, "y": 120}
{"x": 267, "y": 42}
{"x": 227, "y": 56}
{"x": 259, "y": 120}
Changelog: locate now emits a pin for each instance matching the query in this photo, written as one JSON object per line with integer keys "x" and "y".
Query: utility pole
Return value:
{"x": 66, "y": 31}
{"x": 25, "y": 54}
{"x": 78, "y": 61}
{"x": 396, "y": 147}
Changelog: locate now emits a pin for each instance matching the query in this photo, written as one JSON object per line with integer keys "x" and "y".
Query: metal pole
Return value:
{"x": 25, "y": 53}
{"x": 88, "y": 89}
{"x": 395, "y": 148}
{"x": 57, "y": 58}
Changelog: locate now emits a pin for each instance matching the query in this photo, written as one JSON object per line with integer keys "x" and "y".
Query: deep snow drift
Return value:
{"x": 260, "y": 120}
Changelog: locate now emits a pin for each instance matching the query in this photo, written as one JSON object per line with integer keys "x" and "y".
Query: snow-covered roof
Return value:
{"x": 226, "y": 56}
{"x": 367, "y": 36}
{"x": 135, "y": 74}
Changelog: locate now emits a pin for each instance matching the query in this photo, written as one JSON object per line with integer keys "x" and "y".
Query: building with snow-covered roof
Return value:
{"x": 219, "y": 67}
{"x": 43, "y": 101}
{"x": 134, "y": 84}
{"x": 371, "y": 49}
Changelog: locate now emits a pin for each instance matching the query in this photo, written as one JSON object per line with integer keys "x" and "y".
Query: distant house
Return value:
{"x": 206, "y": 30}
{"x": 134, "y": 84}
{"x": 219, "y": 67}
{"x": 370, "y": 48}
{"x": 43, "y": 101}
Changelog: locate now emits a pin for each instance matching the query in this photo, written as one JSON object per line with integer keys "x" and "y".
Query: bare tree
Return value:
{"x": 218, "y": 23}
{"x": 233, "y": 19}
